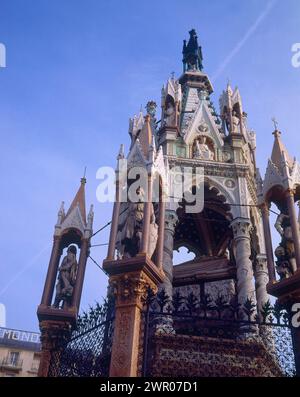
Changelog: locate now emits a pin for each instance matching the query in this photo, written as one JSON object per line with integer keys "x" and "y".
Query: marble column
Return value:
{"x": 294, "y": 224}
{"x": 242, "y": 248}
{"x": 52, "y": 272}
{"x": 114, "y": 223}
{"x": 147, "y": 215}
{"x": 268, "y": 241}
{"x": 171, "y": 220}
{"x": 84, "y": 253}
{"x": 261, "y": 281}
{"x": 164, "y": 323}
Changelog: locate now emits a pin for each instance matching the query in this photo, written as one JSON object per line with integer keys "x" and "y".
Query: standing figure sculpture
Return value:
{"x": 285, "y": 252}
{"x": 66, "y": 278}
{"x": 131, "y": 228}
{"x": 235, "y": 123}
{"x": 169, "y": 114}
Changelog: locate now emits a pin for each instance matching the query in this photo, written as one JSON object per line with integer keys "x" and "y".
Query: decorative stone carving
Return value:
{"x": 226, "y": 156}
{"x": 169, "y": 114}
{"x": 229, "y": 183}
{"x": 131, "y": 287}
{"x": 54, "y": 337}
{"x": 201, "y": 150}
{"x": 235, "y": 123}
{"x": 67, "y": 273}
{"x": 261, "y": 280}
{"x": 131, "y": 229}
{"x": 285, "y": 252}
{"x": 224, "y": 288}
{"x": 203, "y": 127}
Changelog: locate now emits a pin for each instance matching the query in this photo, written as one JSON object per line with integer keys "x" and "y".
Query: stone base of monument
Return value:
{"x": 195, "y": 356}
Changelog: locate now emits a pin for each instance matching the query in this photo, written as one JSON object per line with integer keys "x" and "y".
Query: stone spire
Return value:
{"x": 145, "y": 136}
{"x": 192, "y": 53}
{"x": 79, "y": 201}
{"x": 279, "y": 151}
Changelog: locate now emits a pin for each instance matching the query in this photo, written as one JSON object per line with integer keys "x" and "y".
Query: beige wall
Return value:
{"x": 27, "y": 366}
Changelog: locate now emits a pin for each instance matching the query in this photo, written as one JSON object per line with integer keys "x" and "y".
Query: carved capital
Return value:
{"x": 131, "y": 288}
{"x": 261, "y": 267}
{"x": 54, "y": 334}
{"x": 241, "y": 228}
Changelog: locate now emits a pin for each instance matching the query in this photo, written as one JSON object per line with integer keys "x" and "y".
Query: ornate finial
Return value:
{"x": 276, "y": 132}
{"x": 121, "y": 152}
{"x": 275, "y": 123}
{"x": 151, "y": 108}
{"x": 173, "y": 75}
{"x": 83, "y": 179}
{"x": 141, "y": 109}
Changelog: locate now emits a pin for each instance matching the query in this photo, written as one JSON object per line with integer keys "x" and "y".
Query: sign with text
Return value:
{"x": 20, "y": 336}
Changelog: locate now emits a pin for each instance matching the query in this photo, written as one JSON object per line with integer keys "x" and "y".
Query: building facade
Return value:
{"x": 20, "y": 353}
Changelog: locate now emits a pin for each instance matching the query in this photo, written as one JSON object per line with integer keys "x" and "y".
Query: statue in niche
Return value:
{"x": 169, "y": 114}
{"x": 202, "y": 150}
{"x": 66, "y": 278}
{"x": 235, "y": 123}
{"x": 132, "y": 227}
{"x": 285, "y": 252}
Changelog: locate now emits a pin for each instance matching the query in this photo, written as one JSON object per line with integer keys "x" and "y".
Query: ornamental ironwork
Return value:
{"x": 88, "y": 352}
{"x": 196, "y": 336}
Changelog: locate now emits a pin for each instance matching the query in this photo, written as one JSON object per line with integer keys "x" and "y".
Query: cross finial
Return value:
{"x": 83, "y": 179}
{"x": 275, "y": 123}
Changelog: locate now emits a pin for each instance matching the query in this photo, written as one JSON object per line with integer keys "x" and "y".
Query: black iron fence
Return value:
{"x": 89, "y": 349}
{"x": 178, "y": 325}
{"x": 230, "y": 321}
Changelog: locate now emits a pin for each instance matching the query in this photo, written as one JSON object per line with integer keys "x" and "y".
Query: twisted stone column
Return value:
{"x": 261, "y": 281}
{"x": 245, "y": 277}
{"x": 171, "y": 220}
{"x": 164, "y": 323}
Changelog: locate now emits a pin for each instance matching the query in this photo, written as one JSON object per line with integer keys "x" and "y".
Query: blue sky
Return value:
{"x": 77, "y": 70}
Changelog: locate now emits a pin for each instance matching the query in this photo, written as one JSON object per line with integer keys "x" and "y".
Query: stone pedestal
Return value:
{"x": 56, "y": 326}
{"x": 54, "y": 337}
{"x": 130, "y": 281}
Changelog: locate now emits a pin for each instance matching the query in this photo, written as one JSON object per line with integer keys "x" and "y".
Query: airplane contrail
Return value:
{"x": 242, "y": 42}
{"x": 23, "y": 270}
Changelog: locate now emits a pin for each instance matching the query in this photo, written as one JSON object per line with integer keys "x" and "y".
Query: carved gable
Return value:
{"x": 203, "y": 123}
{"x": 73, "y": 220}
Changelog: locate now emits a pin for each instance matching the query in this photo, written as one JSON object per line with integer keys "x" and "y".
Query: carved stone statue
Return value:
{"x": 132, "y": 226}
{"x": 285, "y": 252}
{"x": 235, "y": 123}
{"x": 153, "y": 234}
{"x": 170, "y": 114}
{"x": 202, "y": 150}
{"x": 283, "y": 265}
{"x": 66, "y": 278}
